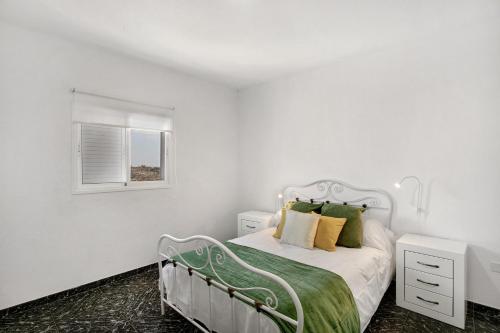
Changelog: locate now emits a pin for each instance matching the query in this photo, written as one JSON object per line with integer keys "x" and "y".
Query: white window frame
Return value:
{"x": 168, "y": 161}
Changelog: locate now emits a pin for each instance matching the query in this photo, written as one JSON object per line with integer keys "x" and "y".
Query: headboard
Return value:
{"x": 379, "y": 203}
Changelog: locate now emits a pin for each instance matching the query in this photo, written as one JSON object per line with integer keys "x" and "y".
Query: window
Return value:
{"x": 121, "y": 150}
{"x": 147, "y": 155}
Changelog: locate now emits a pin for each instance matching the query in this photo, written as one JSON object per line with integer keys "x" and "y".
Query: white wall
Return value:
{"x": 51, "y": 240}
{"x": 429, "y": 108}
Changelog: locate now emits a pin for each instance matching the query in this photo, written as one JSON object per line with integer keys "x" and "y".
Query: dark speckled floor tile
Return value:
{"x": 417, "y": 323}
{"x": 124, "y": 295}
{"x": 389, "y": 317}
{"x": 469, "y": 323}
{"x": 44, "y": 317}
{"x": 31, "y": 320}
{"x": 100, "y": 312}
{"x": 490, "y": 312}
{"x": 385, "y": 325}
{"x": 95, "y": 325}
{"x": 483, "y": 323}
{"x": 147, "y": 317}
{"x": 131, "y": 304}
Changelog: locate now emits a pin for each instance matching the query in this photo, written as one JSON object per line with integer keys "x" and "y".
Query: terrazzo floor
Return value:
{"x": 131, "y": 304}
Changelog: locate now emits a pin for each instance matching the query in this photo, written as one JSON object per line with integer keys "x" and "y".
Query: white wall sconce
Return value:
{"x": 419, "y": 190}
{"x": 279, "y": 201}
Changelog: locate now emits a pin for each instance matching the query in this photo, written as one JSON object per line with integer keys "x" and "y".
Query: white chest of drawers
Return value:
{"x": 431, "y": 277}
{"x": 252, "y": 221}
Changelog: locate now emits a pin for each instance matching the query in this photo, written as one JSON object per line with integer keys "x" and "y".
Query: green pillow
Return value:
{"x": 306, "y": 207}
{"x": 352, "y": 232}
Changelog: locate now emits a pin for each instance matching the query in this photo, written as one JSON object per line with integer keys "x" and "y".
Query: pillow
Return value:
{"x": 289, "y": 204}
{"x": 352, "y": 232}
{"x": 300, "y": 229}
{"x": 328, "y": 232}
{"x": 300, "y": 206}
{"x": 377, "y": 236}
{"x": 306, "y": 207}
{"x": 281, "y": 225}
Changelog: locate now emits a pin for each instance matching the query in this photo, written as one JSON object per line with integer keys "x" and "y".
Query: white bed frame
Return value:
{"x": 379, "y": 204}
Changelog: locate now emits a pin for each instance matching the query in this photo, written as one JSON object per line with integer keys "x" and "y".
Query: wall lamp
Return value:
{"x": 279, "y": 202}
{"x": 419, "y": 190}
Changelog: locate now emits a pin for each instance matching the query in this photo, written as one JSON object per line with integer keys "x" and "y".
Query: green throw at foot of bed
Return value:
{"x": 326, "y": 299}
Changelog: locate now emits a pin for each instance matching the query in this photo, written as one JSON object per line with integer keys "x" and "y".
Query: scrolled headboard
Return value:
{"x": 379, "y": 203}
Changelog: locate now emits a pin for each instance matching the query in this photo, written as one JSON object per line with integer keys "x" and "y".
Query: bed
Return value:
{"x": 193, "y": 284}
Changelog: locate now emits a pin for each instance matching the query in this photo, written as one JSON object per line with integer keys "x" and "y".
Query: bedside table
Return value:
{"x": 430, "y": 277}
{"x": 252, "y": 221}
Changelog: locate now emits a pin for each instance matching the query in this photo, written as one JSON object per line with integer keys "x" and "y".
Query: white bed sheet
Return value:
{"x": 367, "y": 272}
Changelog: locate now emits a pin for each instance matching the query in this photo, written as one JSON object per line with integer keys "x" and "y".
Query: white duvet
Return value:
{"x": 367, "y": 271}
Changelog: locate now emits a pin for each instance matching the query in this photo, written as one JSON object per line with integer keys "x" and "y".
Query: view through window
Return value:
{"x": 146, "y": 155}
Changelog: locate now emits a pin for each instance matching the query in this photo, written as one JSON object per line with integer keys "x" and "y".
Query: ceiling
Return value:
{"x": 244, "y": 42}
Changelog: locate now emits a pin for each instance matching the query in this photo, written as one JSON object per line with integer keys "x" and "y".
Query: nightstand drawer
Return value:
{"x": 429, "y": 300}
{"x": 253, "y": 221}
{"x": 435, "y": 283}
{"x": 429, "y": 264}
{"x": 248, "y": 226}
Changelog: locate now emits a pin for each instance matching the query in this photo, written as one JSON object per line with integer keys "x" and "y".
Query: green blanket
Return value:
{"x": 326, "y": 299}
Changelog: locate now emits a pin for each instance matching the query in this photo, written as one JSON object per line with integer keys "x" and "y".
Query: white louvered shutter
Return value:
{"x": 103, "y": 154}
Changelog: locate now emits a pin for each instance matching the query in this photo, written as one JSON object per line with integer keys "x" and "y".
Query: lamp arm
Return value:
{"x": 419, "y": 189}
{"x": 415, "y": 178}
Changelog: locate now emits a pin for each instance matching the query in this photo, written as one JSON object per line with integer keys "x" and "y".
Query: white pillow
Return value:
{"x": 300, "y": 229}
{"x": 376, "y": 235}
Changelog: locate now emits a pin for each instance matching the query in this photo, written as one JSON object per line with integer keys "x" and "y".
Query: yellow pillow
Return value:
{"x": 328, "y": 232}
{"x": 279, "y": 229}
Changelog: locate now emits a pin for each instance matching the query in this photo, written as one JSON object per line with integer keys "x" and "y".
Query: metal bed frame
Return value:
{"x": 379, "y": 204}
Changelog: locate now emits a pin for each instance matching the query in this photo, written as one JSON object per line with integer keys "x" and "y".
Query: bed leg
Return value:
{"x": 233, "y": 319}
{"x": 190, "y": 271}
{"x": 162, "y": 288}
{"x": 258, "y": 322}
{"x": 209, "y": 308}
{"x": 162, "y": 307}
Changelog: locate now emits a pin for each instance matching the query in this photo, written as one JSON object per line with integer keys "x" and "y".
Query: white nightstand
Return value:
{"x": 430, "y": 277}
{"x": 252, "y": 221}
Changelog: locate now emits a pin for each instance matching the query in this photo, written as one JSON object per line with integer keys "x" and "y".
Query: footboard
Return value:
{"x": 216, "y": 254}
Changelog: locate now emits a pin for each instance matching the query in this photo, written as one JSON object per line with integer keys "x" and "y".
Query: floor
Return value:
{"x": 131, "y": 304}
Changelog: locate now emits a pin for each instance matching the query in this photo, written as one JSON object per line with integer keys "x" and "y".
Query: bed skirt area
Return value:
{"x": 246, "y": 318}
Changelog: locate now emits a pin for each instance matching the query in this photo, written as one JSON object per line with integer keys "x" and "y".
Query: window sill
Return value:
{"x": 138, "y": 187}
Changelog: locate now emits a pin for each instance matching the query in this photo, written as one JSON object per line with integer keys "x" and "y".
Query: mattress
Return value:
{"x": 367, "y": 271}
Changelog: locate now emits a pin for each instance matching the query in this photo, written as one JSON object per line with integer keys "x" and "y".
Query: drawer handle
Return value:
{"x": 251, "y": 227}
{"x": 428, "y": 265}
{"x": 431, "y": 302}
{"x": 429, "y": 283}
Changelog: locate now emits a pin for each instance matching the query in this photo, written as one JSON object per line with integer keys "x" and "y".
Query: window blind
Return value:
{"x": 103, "y": 154}
{"x": 107, "y": 111}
